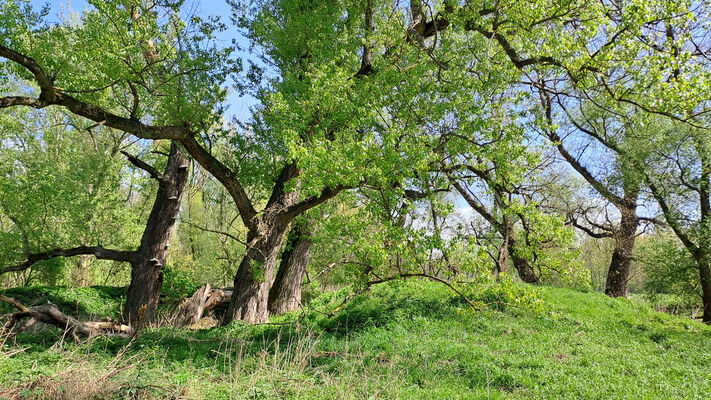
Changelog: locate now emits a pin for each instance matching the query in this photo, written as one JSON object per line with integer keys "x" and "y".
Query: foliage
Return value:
{"x": 669, "y": 268}
{"x": 60, "y": 189}
{"x": 503, "y": 293}
{"x": 179, "y": 281}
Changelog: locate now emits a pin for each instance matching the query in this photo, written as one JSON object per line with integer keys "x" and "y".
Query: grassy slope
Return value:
{"x": 409, "y": 341}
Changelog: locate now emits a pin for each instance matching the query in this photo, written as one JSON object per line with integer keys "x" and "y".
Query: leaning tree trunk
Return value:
{"x": 250, "y": 296}
{"x": 149, "y": 259}
{"x": 623, "y": 253}
{"x": 285, "y": 294}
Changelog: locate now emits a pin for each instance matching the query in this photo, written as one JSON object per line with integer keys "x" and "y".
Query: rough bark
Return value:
{"x": 252, "y": 282}
{"x": 147, "y": 266}
{"x": 704, "y": 265}
{"x": 285, "y": 294}
{"x": 191, "y": 310}
{"x": 521, "y": 264}
{"x": 623, "y": 253}
{"x": 81, "y": 274}
{"x": 204, "y": 299}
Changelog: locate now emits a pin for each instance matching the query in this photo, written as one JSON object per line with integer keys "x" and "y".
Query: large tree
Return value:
{"x": 148, "y": 260}
{"x": 343, "y": 99}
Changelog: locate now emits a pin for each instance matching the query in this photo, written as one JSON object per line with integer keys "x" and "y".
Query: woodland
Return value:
{"x": 269, "y": 192}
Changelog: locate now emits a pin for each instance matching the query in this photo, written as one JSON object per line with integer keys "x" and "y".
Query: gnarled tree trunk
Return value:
{"x": 149, "y": 259}
{"x": 253, "y": 280}
{"x": 522, "y": 265}
{"x": 285, "y": 294}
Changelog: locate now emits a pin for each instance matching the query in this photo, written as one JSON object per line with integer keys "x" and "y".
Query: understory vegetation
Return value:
{"x": 402, "y": 340}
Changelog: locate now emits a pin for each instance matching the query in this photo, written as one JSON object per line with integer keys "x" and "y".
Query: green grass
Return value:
{"x": 405, "y": 341}
{"x": 86, "y": 302}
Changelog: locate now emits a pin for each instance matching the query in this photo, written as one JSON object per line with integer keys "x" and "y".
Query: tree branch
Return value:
{"x": 223, "y": 174}
{"x": 310, "y": 202}
{"x": 478, "y": 207}
{"x": 144, "y": 166}
{"x": 577, "y": 166}
{"x": 205, "y": 229}
{"x": 588, "y": 231}
{"x": 97, "y": 251}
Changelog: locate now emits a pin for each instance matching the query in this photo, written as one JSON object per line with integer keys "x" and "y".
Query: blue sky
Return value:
{"x": 239, "y": 107}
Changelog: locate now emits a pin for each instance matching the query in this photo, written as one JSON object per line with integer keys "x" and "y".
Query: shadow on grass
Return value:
{"x": 83, "y": 303}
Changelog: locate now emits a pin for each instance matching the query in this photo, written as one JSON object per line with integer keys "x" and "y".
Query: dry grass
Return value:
{"x": 82, "y": 379}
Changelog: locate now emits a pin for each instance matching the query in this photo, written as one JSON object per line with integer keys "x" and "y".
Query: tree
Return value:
{"x": 622, "y": 189}
{"x": 285, "y": 293}
{"x": 58, "y": 191}
{"x": 652, "y": 118}
{"x": 346, "y": 106}
{"x": 148, "y": 259}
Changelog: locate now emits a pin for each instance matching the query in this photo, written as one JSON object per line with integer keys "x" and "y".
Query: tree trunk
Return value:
{"x": 147, "y": 266}
{"x": 622, "y": 254}
{"x": 522, "y": 264}
{"x": 81, "y": 274}
{"x": 285, "y": 294}
{"x": 254, "y": 276}
{"x": 702, "y": 261}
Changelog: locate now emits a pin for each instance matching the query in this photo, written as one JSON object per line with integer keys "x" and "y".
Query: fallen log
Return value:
{"x": 51, "y": 315}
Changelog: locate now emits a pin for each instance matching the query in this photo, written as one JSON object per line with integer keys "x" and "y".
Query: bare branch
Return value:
{"x": 144, "y": 166}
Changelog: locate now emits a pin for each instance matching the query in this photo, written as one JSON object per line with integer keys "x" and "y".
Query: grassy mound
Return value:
{"x": 406, "y": 340}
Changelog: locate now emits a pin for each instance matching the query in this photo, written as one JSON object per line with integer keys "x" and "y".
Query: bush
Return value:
{"x": 670, "y": 270}
{"x": 504, "y": 293}
{"x": 178, "y": 283}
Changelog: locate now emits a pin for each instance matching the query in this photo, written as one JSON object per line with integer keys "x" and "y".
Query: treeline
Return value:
{"x": 460, "y": 142}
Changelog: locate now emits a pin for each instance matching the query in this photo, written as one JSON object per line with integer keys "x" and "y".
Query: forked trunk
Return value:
{"x": 249, "y": 301}
{"x": 285, "y": 294}
{"x": 147, "y": 266}
{"x": 622, "y": 255}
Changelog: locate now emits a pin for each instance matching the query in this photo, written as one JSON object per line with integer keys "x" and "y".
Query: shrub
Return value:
{"x": 669, "y": 270}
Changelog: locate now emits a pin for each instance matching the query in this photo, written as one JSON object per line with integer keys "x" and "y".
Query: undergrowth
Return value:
{"x": 399, "y": 341}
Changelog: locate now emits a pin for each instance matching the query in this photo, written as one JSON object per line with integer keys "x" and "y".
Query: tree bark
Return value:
{"x": 619, "y": 272}
{"x": 704, "y": 265}
{"x": 249, "y": 301}
{"x": 522, "y": 265}
{"x": 285, "y": 294}
{"x": 149, "y": 259}
{"x": 81, "y": 274}
{"x": 51, "y": 315}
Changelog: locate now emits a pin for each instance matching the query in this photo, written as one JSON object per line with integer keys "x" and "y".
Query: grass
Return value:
{"x": 402, "y": 341}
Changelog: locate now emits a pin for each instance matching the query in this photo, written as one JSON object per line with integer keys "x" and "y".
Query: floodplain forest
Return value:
{"x": 345, "y": 199}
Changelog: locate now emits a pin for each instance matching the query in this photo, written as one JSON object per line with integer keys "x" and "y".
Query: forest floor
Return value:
{"x": 403, "y": 341}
